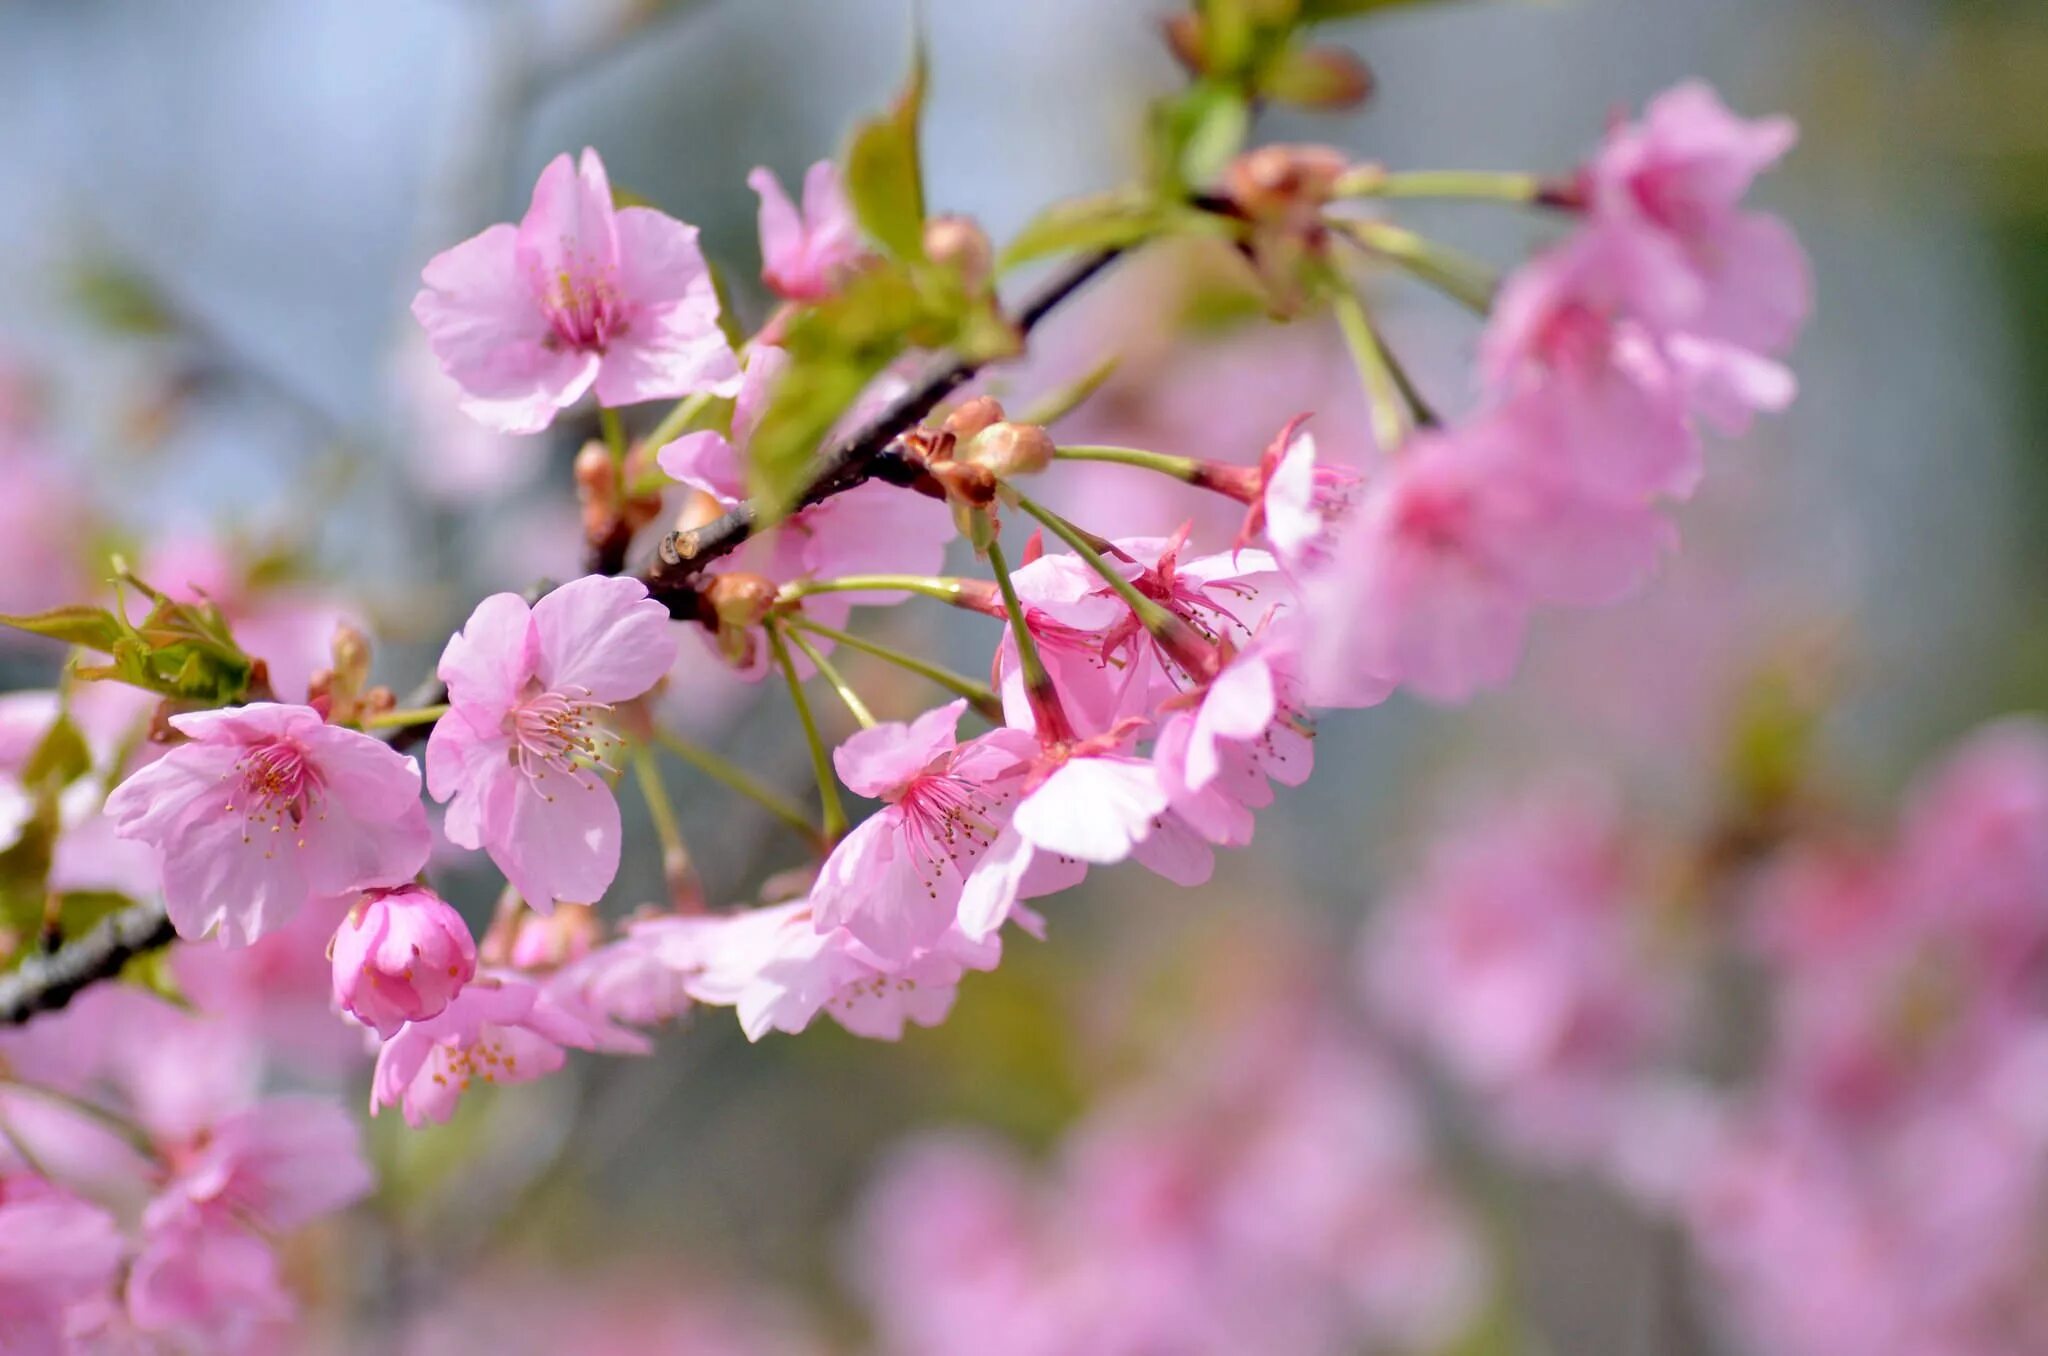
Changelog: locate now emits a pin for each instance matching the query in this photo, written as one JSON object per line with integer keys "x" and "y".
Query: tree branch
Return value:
{"x": 865, "y": 455}
{"x": 44, "y": 983}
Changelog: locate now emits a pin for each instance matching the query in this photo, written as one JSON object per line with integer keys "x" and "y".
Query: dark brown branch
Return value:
{"x": 863, "y": 456}
{"x": 45, "y": 983}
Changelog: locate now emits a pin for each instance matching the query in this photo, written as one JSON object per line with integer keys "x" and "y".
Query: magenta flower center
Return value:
{"x": 583, "y": 308}
{"x": 557, "y": 733}
{"x": 278, "y": 784}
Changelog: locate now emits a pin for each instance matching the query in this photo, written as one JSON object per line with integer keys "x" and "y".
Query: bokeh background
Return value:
{"x": 212, "y": 218}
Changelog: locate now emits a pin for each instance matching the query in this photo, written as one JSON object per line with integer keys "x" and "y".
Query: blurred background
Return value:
{"x": 212, "y": 220}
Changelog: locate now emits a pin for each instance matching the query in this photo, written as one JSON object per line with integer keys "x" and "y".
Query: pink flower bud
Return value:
{"x": 401, "y": 956}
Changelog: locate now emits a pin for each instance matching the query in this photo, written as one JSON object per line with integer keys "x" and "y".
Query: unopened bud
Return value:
{"x": 1318, "y": 77}
{"x": 740, "y": 600}
{"x": 960, "y": 244}
{"x": 1185, "y": 39}
{"x": 1284, "y": 180}
{"x": 351, "y": 651}
{"x": 1007, "y": 450}
{"x": 972, "y": 416}
{"x": 966, "y": 482}
{"x": 549, "y": 943}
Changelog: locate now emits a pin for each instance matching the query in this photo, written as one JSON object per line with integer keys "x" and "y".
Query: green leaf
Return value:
{"x": 1323, "y": 11}
{"x": 1316, "y": 77}
{"x": 1195, "y": 133}
{"x": 884, "y": 171}
{"x": 60, "y": 759}
{"x": 93, "y": 627}
{"x": 1105, "y": 221}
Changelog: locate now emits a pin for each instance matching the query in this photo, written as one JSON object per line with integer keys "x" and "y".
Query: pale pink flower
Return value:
{"x": 777, "y": 971}
{"x": 1681, "y": 174}
{"x": 627, "y": 981}
{"x": 804, "y": 256}
{"x": 1295, "y": 499}
{"x": 578, "y": 296}
{"x": 58, "y": 1256}
{"x": 1456, "y": 540}
{"x": 499, "y": 1029}
{"x": 1521, "y": 958}
{"x": 207, "y": 1282}
{"x": 1594, "y": 384}
{"x": 280, "y": 1164}
{"x": 514, "y": 756}
{"x": 1248, "y": 719}
{"x": 399, "y": 957}
{"x": 895, "y": 882}
{"x": 265, "y": 807}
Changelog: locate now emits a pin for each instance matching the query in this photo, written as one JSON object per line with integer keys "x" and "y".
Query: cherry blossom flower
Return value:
{"x": 1454, "y": 543}
{"x": 400, "y": 956}
{"x": 514, "y": 756}
{"x": 1520, "y": 957}
{"x": 280, "y": 1163}
{"x": 805, "y": 256}
{"x": 208, "y": 1282}
{"x": 578, "y": 296}
{"x": 895, "y": 882}
{"x": 58, "y": 1260}
{"x": 265, "y": 807}
{"x": 1595, "y": 385}
{"x": 1295, "y": 499}
{"x": 778, "y": 971}
{"x": 499, "y": 1029}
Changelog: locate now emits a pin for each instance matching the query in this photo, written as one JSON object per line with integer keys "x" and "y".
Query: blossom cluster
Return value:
{"x": 1147, "y": 695}
{"x": 1874, "y": 1175}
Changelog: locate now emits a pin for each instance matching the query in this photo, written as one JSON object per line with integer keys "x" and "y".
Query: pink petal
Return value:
{"x": 603, "y": 636}
{"x": 878, "y": 761}
{"x": 562, "y": 841}
{"x": 489, "y": 661}
{"x": 672, "y": 345}
{"x": 1093, "y": 809}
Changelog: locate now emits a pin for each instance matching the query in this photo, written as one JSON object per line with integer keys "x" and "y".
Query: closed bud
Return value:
{"x": 1290, "y": 181}
{"x": 1318, "y": 77}
{"x": 1185, "y": 40}
{"x": 740, "y": 600}
{"x": 972, "y": 416}
{"x": 1007, "y": 450}
{"x": 401, "y": 956}
{"x": 960, "y": 244}
{"x": 550, "y": 942}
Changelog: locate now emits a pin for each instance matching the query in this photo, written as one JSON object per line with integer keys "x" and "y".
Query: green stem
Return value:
{"x": 392, "y": 720}
{"x": 1045, "y": 700}
{"x": 647, "y": 772}
{"x": 1457, "y": 275}
{"x": 736, "y": 778}
{"x": 1180, "y": 468}
{"x": 678, "y": 420}
{"x": 980, "y": 696}
{"x": 821, "y": 762}
{"x": 1060, "y": 403}
{"x": 931, "y": 586}
{"x": 1382, "y": 388}
{"x": 1480, "y": 184}
{"x": 1149, "y": 613}
{"x": 832, "y": 675}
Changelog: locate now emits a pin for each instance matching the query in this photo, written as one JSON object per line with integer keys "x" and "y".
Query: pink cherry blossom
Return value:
{"x": 499, "y": 1029}
{"x": 1597, "y": 386}
{"x": 805, "y": 256}
{"x": 1681, "y": 174}
{"x": 578, "y": 296}
{"x": 895, "y": 882}
{"x": 514, "y": 755}
{"x": 207, "y": 1282}
{"x": 280, "y": 1163}
{"x": 399, "y": 957}
{"x": 58, "y": 1258}
{"x": 1520, "y": 957}
{"x": 778, "y": 971}
{"x": 265, "y": 807}
{"x": 1454, "y": 543}
{"x": 627, "y": 981}
{"x": 1295, "y": 499}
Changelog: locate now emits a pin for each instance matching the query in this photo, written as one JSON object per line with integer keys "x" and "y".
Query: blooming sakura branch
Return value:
{"x": 765, "y": 497}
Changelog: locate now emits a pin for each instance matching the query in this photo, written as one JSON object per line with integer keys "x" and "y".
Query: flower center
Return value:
{"x": 557, "y": 733}
{"x": 279, "y": 785}
{"x": 948, "y": 822}
{"x": 584, "y": 309}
